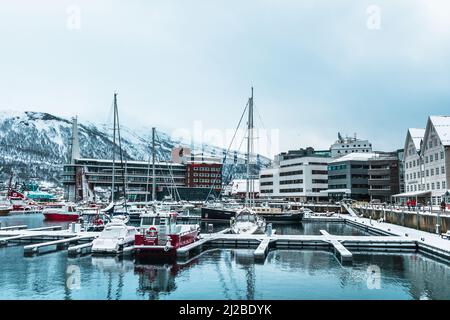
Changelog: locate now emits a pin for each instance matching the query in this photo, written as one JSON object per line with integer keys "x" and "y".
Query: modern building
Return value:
{"x": 84, "y": 178}
{"x": 297, "y": 175}
{"x": 348, "y": 177}
{"x": 384, "y": 175}
{"x": 189, "y": 177}
{"x": 348, "y": 145}
{"x": 365, "y": 176}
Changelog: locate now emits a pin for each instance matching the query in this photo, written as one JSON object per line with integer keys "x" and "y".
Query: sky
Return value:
{"x": 374, "y": 68}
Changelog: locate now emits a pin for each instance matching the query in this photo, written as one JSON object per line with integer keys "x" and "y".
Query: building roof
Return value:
{"x": 355, "y": 156}
{"x": 417, "y": 136}
{"x": 442, "y": 126}
{"x": 128, "y": 162}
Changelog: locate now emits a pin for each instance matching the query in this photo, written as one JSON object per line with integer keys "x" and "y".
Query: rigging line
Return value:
{"x": 229, "y": 147}
{"x": 121, "y": 161}
{"x": 170, "y": 170}
{"x": 242, "y": 141}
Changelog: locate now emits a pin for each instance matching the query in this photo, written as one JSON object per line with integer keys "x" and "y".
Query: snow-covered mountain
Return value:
{"x": 35, "y": 145}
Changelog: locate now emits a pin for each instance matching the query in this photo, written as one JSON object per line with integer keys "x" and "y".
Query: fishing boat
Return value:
{"x": 61, "y": 212}
{"x": 160, "y": 236}
{"x": 247, "y": 221}
{"x": 115, "y": 236}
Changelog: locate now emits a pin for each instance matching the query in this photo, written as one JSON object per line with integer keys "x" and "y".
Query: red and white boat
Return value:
{"x": 160, "y": 236}
{"x": 61, "y": 212}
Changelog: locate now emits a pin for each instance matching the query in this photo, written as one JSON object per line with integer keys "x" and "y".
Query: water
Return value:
{"x": 222, "y": 274}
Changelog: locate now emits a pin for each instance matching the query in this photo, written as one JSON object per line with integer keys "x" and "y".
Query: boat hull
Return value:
{"x": 61, "y": 217}
{"x": 145, "y": 250}
{"x": 226, "y": 215}
{"x": 282, "y": 217}
{"x": 217, "y": 214}
{"x": 4, "y": 212}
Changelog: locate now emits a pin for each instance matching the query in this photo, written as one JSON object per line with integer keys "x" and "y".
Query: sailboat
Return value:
{"x": 246, "y": 221}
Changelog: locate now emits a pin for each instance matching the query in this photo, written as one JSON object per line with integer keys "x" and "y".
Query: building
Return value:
{"x": 413, "y": 162}
{"x": 297, "y": 175}
{"x": 348, "y": 145}
{"x": 187, "y": 177}
{"x": 86, "y": 178}
{"x": 365, "y": 176}
{"x": 348, "y": 177}
{"x": 435, "y": 152}
{"x": 427, "y": 162}
{"x": 384, "y": 175}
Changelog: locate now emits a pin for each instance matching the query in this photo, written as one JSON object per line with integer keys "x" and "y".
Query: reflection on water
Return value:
{"x": 224, "y": 274}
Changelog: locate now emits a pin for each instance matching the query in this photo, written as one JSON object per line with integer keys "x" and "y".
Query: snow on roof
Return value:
{"x": 356, "y": 156}
{"x": 417, "y": 136}
{"x": 442, "y": 126}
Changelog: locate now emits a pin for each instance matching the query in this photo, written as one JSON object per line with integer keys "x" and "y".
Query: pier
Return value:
{"x": 385, "y": 237}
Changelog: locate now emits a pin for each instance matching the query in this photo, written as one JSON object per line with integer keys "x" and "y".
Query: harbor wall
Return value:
{"x": 422, "y": 221}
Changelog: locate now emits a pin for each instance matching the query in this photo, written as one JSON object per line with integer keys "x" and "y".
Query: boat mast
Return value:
{"x": 153, "y": 165}
{"x": 249, "y": 184}
{"x": 114, "y": 151}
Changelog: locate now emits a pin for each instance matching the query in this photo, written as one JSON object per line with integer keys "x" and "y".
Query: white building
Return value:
{"x": 436, "y": 155}
{"x": 427, "y": 161}
{"x": 298, "y": 175}
{"x": 348, "y": 145}
{"x": 413, "y": 160}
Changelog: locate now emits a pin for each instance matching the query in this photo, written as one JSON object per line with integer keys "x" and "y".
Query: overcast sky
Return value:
{"x": 318, "y": 67}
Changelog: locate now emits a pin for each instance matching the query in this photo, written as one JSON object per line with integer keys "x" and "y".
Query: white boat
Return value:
{"x": 247, "y": 221}
{"x": 115, "y": 236}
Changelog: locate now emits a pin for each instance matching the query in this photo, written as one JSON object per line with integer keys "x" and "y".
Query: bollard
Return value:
{"x": 210, "y": 228}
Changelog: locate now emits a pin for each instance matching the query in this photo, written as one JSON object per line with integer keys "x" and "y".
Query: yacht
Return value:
{"x": 114, "y": 238}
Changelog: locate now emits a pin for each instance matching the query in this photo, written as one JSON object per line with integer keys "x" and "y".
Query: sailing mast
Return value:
{"x": 153, "y": 164}
{"x": 113, "y": 187}
{"x": 249, "y": 184}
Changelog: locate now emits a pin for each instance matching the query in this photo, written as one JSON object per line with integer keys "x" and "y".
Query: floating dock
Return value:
{"x": 388, "y": 237}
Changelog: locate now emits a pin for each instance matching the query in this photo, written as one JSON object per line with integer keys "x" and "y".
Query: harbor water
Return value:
{"x": 223, "y": 273}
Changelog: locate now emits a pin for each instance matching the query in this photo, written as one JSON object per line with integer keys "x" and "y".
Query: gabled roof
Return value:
{"x": 442, "y": 126}
{"x": 417, "y": 136}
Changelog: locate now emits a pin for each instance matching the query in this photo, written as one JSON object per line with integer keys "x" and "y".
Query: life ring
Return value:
{"x": 98, "y": 222}
{"x": 152, "y": 232}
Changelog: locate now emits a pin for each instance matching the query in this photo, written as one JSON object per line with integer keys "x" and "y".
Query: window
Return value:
{"x": 436, "y": 156}
{"x": 442, "y": 170}
{"x": 442, "y": 155}
{"x": 443, "y": 184}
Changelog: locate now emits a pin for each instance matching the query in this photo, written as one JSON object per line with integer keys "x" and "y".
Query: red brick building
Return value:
{"x": 204, "y": 175}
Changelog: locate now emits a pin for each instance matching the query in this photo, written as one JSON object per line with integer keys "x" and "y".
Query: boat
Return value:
{"x": 248, "y": 222}
{"x": 61, "y": 212}
{"x": 93, "y": 219}
{"x": 5, "y": 208}
{"x": 115, "y": 236}
{"x": 279, "y": 213}
{"x": 220, "y": 211}
{"x": 160, "y": 236}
